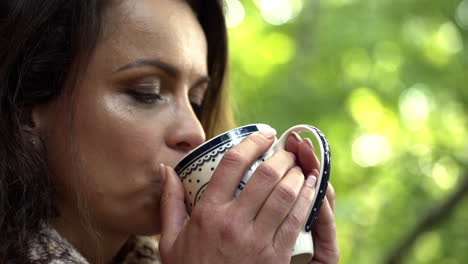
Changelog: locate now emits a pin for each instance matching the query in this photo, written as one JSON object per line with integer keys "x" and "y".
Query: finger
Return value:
{"x": 331, "y": 196}
{"x": 292, "y": 144}
{"x": 324, "y": 236}
{"x": 307, "y": 158}
{"x": 279, "y": 203}
{"x": 295, "y": 221}
{"x": 172, "y": 207}
{"x": 234, "y": 164}
{"x": 263, "y": 181}
{"x": 325, "y": 224}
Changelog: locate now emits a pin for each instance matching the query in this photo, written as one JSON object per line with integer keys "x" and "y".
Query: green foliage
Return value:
{"x": 386, "y": 82}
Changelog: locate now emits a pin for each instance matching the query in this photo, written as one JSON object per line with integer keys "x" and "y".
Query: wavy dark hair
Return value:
{"x": 42, "y": 44}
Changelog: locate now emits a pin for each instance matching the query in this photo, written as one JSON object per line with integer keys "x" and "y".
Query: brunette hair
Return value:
{"x": 42, "y": 44}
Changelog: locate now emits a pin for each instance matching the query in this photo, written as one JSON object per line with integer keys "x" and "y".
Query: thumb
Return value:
{"x": 173, "y": 212}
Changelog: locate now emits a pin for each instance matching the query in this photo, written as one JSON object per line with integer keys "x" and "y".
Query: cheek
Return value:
{"x": 118, "y": 146}
{"x": 113, "y": 161}
{"x": 115, "y": 153}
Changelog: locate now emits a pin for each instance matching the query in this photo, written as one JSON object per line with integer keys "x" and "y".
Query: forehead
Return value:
{"x": 163, "y": 29}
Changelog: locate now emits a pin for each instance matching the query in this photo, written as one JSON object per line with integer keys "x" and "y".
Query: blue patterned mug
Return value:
{"x": 197, "y": 167}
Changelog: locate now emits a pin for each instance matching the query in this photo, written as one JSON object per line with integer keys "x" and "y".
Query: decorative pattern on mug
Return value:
{"x": 198, "y": 164}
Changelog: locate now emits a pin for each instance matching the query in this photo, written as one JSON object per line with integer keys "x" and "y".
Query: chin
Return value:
{"x": 139, "y": 218}
{"x": 147, "y": 224}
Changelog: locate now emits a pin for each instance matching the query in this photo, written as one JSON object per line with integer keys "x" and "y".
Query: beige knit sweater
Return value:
{"x": 138, "y": 250}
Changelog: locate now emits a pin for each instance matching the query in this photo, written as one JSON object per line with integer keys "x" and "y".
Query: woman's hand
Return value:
{"x": 326, "y": 249}
{"x": 259, "y": 226}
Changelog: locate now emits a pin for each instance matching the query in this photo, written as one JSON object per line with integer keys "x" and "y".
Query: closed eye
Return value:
{"x": 144, "y": 98}
{"x": 198, "y": 109}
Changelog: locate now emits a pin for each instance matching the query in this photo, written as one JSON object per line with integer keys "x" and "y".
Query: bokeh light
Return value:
{"x": 449, "y": 39}
{"x": 444, "y": 42}
{"x": 279, "y": 48}
{"x": 416, "y": 31}
{"x": 445, "y": 173}
{"x": 365, "y": 107}
{"x": 455, "y": 123}
{"x": 428, "y": 247}
{"x": 278, "y": 12}
{"x": 461, "y": 15}
{"x": 235, "y": 13}
{"x": 371, "y": 150}
{"x": 415, "y": 106}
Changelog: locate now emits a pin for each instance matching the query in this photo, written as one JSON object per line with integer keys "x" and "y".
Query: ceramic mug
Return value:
{"x": 197, "y": 167}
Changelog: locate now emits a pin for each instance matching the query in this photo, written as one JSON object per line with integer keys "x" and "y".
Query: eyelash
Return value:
{"x": 151, "y": 98}
{"x": 144, "y": 98}
{"x": 198, "y": 109}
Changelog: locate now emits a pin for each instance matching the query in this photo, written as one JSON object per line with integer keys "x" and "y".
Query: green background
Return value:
{"x": 386, "y": 81}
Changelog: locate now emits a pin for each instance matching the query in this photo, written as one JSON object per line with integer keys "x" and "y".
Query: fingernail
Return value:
{"x": 268, "y": 133}
{"x": 296, "y": 135}
{"x": 309, "y": 143}
{"x": 310, "y": 181}
{"x": 162, "y": 173}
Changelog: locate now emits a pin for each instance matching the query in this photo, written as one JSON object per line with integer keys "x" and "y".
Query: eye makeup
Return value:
{"x": 148, "y": 82}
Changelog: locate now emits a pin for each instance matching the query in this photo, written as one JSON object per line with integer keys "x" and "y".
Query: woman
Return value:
{"x": 95, "y": 97}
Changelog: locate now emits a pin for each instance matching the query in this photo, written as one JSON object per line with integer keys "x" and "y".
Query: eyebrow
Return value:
{"x": 166, "y": 67}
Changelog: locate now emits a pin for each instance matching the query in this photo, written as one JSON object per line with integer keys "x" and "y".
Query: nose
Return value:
{"x": 186, "y": 131}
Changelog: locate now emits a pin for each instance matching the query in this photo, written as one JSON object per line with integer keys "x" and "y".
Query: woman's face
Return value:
{"x": 132, "y": 111}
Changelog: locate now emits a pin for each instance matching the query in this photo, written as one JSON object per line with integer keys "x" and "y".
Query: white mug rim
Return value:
{"x": 217, "y": 141}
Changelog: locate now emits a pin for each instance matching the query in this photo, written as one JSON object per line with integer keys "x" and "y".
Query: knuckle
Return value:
{"x": 331, "y": 192}
{"x": 286, "y": 193}
{"x": 332, "y": 253}
{"x": 336, "y": 255}
{"x": 298, "y": 174}
{"x": 267, "y": 171}
{"x": 288, "y": 155}
{"x": 229, "y": 232}
{"x": 233, "y": 157}
{"x": 165, "y": 199}
{"x": 256, "y": 139}
{"x": 277, "y": 208}
{"x": 201, "y": 217}
{"x": 297, "y": 177}
{"x": 295, "y": 220}
{"x": 307, "y": 196}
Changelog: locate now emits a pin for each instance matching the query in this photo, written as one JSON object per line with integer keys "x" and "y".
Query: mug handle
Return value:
{"x": 325, "y": 165}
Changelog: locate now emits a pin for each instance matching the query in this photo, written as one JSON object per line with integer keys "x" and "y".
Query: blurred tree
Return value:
{"x": 386, "y": 82}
